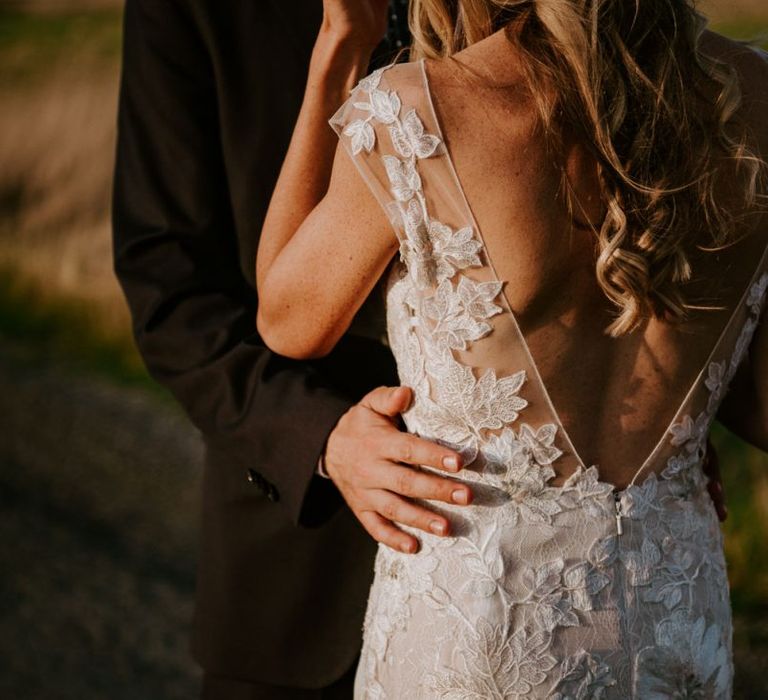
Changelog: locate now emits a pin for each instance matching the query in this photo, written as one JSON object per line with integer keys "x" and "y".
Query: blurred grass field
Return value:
{"x": 60, "y": 302}
{"x": 58, "y": 90}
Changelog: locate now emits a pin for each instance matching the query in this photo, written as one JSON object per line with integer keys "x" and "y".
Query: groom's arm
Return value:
{"x": 176, "y": 256}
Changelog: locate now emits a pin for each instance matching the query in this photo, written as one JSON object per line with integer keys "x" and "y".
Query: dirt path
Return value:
{"x": 98, "y": 497}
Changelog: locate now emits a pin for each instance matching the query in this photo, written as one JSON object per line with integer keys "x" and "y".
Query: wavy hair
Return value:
{"x": 628, "y": 75}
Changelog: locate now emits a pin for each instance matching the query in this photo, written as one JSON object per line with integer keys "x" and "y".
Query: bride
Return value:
{"x": 564, "y": 202}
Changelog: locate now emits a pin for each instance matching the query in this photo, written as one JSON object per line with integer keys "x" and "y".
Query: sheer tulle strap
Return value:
{"x": 450, "y": 320}
{"x": 386, "y": 140}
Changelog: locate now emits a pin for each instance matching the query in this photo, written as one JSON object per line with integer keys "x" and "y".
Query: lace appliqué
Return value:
{"x": 464, "y": 407}
{"x": 688, "y": 660}
{"x": 537, "y": 595}
{"x": 583, "y": 677}
{"x": 495, "y": 666}
{"x": 691, "y": 433}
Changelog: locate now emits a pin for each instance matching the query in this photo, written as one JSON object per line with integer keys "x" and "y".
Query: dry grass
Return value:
{"x": 57, "y": 140}
{"x": 730, "y": 10}
{"x": 48, "y": 6}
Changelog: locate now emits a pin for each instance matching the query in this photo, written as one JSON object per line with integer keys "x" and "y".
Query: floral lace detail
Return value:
{"x": 464, "y": 406}
{"x": 495, "y": 666}
{"x": 409, "y": 138}
{"x": 757, "y": 294}
{"x": 460, "y": 315}
{"x": 569, "y": 592}
{"x": 691, "y": 433}
{"x": 584, "y": 677}
{"x": 434, "y": 251}
{"x": 688, "y": 660}
{"x": 382, "y": 106}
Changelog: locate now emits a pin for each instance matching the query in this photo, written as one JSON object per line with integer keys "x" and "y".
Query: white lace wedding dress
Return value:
{"x": 542, "y": 591}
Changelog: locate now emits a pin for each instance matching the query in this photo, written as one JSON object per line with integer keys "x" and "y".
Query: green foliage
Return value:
{"x": 65, "y": 331}
{"x": 31, "y": 44}
{"x": 745, "y": 477}
{"x": 745, "y": 30}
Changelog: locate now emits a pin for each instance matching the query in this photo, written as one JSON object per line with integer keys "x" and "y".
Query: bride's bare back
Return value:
{"x": 616, "y": 397}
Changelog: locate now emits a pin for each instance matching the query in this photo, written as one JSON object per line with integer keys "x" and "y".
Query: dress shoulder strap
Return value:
{"x": 384, "y": 135}
{"x": 449, "y": 324}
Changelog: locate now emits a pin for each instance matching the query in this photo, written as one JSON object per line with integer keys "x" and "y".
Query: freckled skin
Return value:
{"x": 617, "y": 386}
{"x": 625, "y": 385}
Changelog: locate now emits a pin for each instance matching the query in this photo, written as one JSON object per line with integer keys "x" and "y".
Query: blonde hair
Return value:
{"x": 630, "y": 77}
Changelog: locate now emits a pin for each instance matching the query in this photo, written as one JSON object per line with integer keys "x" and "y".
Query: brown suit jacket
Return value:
{"x": 209, "y": 95}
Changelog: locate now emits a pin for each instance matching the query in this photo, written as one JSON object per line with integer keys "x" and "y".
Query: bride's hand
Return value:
{"x": 359, "y": 23}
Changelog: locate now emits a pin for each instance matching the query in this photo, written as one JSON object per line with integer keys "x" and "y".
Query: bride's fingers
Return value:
{"x": 410, "y": 482}
{"x": 400, "y": 510}
{"x": 382, "y": 530}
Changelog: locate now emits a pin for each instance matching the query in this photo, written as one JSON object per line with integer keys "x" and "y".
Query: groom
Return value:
{"x": 209, "y": 95}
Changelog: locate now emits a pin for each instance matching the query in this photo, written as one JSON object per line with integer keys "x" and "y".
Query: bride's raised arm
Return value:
{"x": 325, "y": 241}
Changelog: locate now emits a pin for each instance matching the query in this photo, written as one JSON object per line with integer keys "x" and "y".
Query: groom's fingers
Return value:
{"x": 404, "y": 447}
{"x": 387, "y": 400}
{"x": 382, "y": 530}
{"x": 715, "y": 481}
{"x": 367, "y": 447}
{"x": 410, "y": 449}
{"x": 403, "y": 511}
{"x": 407, "y": 481}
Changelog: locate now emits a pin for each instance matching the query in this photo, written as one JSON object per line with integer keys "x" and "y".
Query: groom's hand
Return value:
{"x": 372, "y": 461}
{"x": 715, "y": 481}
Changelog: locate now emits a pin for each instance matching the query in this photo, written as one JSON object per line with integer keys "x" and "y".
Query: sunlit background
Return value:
{"x": 98, "y": 469}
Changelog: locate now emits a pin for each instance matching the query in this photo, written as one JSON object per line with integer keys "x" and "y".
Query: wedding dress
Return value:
{"x": 541, "y": 591}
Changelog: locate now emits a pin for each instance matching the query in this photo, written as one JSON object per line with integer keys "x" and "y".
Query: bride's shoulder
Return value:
{"x": 404, "y": 78}
{"x": 379, "y": 102}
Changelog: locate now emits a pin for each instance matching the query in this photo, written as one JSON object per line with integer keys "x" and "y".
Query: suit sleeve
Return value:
{"x": 177, "y": 260}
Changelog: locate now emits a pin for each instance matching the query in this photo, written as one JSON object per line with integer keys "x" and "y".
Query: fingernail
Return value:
{"x": 460, "y": 496}
{"x": 437, "y": 527}
{"x": 451, "y": 462}
{"x": 407, "y": 547}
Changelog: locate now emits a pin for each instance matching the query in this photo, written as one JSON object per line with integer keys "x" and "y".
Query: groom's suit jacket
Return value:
{"x": 209, "y": 95}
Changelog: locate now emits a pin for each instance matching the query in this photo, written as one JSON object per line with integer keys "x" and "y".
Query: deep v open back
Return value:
{"x": 577, "y": 590}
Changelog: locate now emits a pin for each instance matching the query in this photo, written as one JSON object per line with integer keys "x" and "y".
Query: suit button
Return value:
{"x": 263, "y": 485}
{"x": 255, "y": 478}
